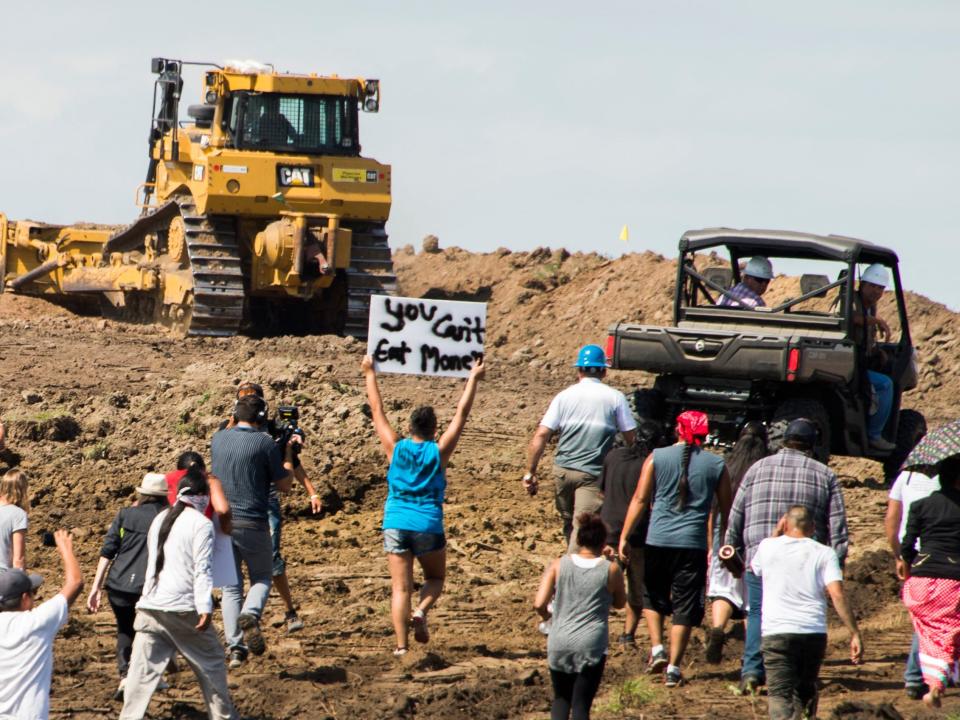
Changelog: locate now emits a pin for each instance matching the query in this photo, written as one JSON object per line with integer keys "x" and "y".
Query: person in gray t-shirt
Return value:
{"x": 13, "y": 520}
{"x": 587, "y": 417}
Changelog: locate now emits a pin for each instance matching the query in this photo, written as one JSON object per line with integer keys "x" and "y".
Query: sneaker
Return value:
{"x": 673, "y": 678}
{"x": 399, "y": 652}
{"x": 627, "y": 640}
{"x": 118, "y": 694}
{"x": 420, "y": 632}
{"x": 294, "y": 623}
{"x": 237, "y": 658}
{"x": 882, "y": 445}
{"x": 715, "y": 640}
{"x": 656, "y": 664}
{"x": 750, "y": 685}
{"x": 916, "y": 692}
{"x": 251, "y": 634}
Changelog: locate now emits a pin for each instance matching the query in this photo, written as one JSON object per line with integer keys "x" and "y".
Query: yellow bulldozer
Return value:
{"x": 258, "y": 213}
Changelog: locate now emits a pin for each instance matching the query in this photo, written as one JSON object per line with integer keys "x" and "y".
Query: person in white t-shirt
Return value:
{"x": 909, "y": 487}
{"x": 587, "y": 417}
{"x": 27, "y": 632}
{"x": 175, "y": 609}
{"x": 797, "y": 573}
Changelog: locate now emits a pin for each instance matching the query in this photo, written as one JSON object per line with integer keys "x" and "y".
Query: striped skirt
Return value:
{"x": 934, "y": 605}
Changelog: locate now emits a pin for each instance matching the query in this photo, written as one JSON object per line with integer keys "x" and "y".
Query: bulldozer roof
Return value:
{"x": 274, "y": 82}
{"x": 787, "y": 243}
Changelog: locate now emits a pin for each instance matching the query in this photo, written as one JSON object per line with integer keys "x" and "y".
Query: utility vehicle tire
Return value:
{"x": 794, "y": 408}
{"x": 649, "y": 410}
{"x": 910, "y": 430}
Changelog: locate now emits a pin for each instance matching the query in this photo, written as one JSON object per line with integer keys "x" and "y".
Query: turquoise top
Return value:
{"x": 416, "y": 486}
{"x": 686, "y": 528}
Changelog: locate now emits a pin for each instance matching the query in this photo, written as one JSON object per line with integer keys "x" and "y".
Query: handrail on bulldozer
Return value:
{"x": 136, "y": 197}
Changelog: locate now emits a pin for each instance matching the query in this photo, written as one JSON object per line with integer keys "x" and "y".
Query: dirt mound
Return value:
{"x": 92, "y": 404}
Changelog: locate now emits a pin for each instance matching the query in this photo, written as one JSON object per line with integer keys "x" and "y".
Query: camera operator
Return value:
{"x": 249, "y": 464}
{"x": 282, "y": 429}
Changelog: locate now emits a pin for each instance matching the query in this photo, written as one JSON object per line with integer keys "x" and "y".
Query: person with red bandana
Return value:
{"x": 681, "y": 481}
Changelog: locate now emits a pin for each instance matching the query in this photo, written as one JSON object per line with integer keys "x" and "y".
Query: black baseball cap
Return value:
{"x": 14, "y": 583}
{"x": 801, "y": 429}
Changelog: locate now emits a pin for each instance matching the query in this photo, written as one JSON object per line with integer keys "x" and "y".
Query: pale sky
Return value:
{"x": 541, "y": 123}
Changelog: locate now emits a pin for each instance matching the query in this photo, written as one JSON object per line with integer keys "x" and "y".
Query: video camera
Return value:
{"x": 286, "y": 425}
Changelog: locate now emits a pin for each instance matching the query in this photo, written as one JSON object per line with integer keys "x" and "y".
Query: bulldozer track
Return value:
{"x": 370, "y": 273}
{"x": 218, "y": 291}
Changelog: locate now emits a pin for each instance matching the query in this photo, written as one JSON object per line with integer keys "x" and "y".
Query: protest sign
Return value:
{"x": 425, "y": 337}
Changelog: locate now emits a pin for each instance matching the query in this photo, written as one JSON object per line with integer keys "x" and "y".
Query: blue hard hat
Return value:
{"x": 591, "y": 356}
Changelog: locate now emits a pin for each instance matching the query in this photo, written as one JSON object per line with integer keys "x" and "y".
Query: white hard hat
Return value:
{"x": 876, "y": 274}
{"x": 759, "y": 267}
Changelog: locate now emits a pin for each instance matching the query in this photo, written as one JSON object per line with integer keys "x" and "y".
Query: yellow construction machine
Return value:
{"x": 257, "y": 213}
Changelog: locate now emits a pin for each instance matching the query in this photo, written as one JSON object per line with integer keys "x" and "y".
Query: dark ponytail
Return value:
{"x": 683, "y": 487}
{"x": 194, "y": 482}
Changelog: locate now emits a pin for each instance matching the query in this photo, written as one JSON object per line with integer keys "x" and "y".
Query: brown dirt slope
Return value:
{"x": 91, "y": 405}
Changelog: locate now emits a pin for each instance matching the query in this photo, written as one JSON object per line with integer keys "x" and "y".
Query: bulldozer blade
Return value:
{"x": 131, "y": 236}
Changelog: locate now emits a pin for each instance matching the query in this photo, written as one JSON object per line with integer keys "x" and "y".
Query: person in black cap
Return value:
{"x": 771, "y": 487}
{"x": 27, "y": 631}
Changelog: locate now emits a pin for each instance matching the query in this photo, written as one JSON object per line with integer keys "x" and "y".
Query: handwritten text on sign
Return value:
{"x": 425, "y": 337}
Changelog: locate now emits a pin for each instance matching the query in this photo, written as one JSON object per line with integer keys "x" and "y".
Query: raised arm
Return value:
{"x": 638, "y": 505}
{"x": 388, "y": 436}
{"x": 451, "y": 436}
{"x": 72, "y": 580}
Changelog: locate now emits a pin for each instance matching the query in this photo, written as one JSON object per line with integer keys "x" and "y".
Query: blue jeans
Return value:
{"x": 275, "y": 519}
{"x": 883, "y": 387}
{"x": 912, "y": 674}
{"x": 251, "y": 545}
{"x": 752, "y": 654}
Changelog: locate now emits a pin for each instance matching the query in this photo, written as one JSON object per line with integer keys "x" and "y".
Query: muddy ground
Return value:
{"x": 91, "y": 405}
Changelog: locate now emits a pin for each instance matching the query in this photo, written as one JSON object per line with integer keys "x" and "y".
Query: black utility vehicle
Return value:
{"x": 795, "y": 357}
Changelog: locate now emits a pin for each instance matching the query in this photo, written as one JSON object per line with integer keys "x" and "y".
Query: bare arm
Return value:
{"x": 3, "y": 436}
{"x": 220, "y": 504}
{"x": 537, "y": 445}
{"x": 72, "y": 581}
{"x": 724, "y": 500}
{"x": 451, "y": 436}
{"x": 835, "y": 590}
{"x": 316, "y": 505}
{"x": 891, "y": 523}
{"x": 388, "y": 436}
{"x": 545, "y": 592}
{"x": 638, "y": 505}
{"x": 616, "y": 586}
{"x": 93, "y": 599}
{"x": 18, "y": 557}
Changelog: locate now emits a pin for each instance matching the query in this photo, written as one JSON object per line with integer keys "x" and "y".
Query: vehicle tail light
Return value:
{"x": 793, "y": 364}
{"x": 611, "y": 347}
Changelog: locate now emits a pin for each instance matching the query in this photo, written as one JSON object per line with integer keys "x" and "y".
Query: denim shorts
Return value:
{"x": 419, "y": 543}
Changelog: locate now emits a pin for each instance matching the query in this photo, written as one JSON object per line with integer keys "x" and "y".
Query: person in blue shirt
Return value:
{"x": 413, "y": 512}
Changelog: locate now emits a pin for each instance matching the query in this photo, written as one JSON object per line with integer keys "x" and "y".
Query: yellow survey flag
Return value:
{"x": 624, "y": 233}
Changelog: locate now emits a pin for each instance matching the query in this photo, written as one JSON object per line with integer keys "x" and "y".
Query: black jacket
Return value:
{"x": 126, "y": 545}
{"x": 618, "y": 481}
{"x": 935, "y": 521}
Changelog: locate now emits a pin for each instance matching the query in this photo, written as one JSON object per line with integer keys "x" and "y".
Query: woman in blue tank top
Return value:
{"x": 413, "y": 512}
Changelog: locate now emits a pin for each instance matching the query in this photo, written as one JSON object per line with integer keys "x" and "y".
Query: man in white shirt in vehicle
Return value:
{"x": 797, "y": 573}
{"x": 27, "y": 632}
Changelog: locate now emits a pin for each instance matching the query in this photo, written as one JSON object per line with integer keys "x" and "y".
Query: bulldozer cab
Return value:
{"x": 302, "y": 124}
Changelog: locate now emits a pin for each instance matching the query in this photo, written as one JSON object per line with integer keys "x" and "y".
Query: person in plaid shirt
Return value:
{"x": 747, "y": 293}
{"x": 771, "y": 487}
